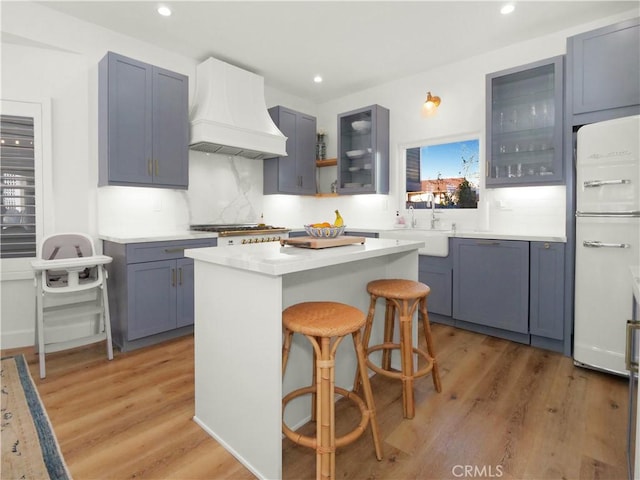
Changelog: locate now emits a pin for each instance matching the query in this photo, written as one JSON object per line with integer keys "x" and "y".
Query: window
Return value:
{"x": 443, "y": 174}
{"x": 17, "y": 187}
{"x": 25, "y": 184}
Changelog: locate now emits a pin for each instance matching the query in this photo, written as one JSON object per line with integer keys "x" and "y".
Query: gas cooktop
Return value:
{"x": 226, "y": 230}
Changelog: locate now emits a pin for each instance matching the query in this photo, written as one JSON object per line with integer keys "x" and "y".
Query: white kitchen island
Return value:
{"x": 240, "y": 292}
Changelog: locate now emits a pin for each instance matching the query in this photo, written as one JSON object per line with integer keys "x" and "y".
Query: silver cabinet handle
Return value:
{"x": 600, "y": 183}
{"x": 596, "y": 244}
{"x": 174, "y": 250}
{"x": 632, "y": 365}
{"x": 488, "y": 243}
{"x": 173, "y": 277}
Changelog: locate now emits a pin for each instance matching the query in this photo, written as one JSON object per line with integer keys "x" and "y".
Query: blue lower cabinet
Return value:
{"x": 152, "y": 298}
{"x": 184, "y": 292}
{"x": 437, "y": 273}
{"x": 151, "y": 291}
{"x": 546, "y": 308}
{"x": 491, "y": 285}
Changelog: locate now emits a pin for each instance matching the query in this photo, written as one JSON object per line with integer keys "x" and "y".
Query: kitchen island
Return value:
{"x": 240, "y": 293}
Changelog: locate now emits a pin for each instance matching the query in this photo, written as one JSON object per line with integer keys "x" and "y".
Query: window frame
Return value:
{"x": 460, "y": 137}
{"x": 40, "y": 111}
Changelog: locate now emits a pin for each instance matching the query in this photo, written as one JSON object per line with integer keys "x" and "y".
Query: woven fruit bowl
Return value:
{"x": 324, "y": 232}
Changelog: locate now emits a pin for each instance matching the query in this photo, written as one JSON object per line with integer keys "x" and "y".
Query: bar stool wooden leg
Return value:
{"x": 406, "y": 352}
{"x": 325, "y": 413}
{"x": 365, "y": 338}
{"x": 426, "y": 325}
{"x": 389, "y": 320}
{"x": 286, "y": 346}
{"x": 368, "y": 393}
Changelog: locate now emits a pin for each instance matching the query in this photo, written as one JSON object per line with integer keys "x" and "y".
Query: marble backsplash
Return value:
{"x": 222, "y": 189}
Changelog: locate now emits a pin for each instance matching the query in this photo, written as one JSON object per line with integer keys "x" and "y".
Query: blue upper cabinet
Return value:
{"x": 296, "y": 173}
{"x": 524, "y": 124}
{"x": 604, "y": 68}
{"x": 143, "y": 124}
{"x": 363, "y": 151}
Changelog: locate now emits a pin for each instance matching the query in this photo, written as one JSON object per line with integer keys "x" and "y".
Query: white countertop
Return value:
{"x": 273, "y": 259}
{"x": 635, "y": 282}
{"x": 155, "y": 237}
{"x": 193, "y": 235}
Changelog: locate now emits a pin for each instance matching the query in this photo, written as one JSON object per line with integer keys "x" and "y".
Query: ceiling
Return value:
{"x": 352, "y": 44}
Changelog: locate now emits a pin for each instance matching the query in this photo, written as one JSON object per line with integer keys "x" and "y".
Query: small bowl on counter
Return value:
{"x": 324, "y": 232}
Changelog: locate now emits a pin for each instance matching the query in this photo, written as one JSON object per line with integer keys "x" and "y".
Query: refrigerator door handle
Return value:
{"x": 600, "y": 183}
{"x": 627, "y": 214}
{"x": 596, "y": 244}
{"x": 632, "y": 365}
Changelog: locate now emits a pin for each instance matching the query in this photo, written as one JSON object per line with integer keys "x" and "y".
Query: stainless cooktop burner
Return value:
{"x": 226, "y": 230}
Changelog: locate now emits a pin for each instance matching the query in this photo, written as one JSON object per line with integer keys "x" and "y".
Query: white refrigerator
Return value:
{"x": 607, "y": 240}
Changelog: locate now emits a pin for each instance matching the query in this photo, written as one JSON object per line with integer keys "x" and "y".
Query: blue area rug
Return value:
{"x": 29, "y": 447}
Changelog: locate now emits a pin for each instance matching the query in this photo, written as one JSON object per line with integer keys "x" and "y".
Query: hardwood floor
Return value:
{"x": 506, "y": 411}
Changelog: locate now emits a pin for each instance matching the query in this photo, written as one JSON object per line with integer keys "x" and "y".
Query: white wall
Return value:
{"x": 46, "y": 54}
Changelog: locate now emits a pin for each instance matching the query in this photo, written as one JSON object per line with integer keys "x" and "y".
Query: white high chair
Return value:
{"x": 66, "y": 265}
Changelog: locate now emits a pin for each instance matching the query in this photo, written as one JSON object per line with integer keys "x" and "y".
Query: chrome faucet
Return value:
{"x": 413, "y": 219}
{"x": 434, "y": 220}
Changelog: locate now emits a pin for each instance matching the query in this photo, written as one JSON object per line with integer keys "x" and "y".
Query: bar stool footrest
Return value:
{"x": 345, "y": 439}
{"x": 398, "y": 374}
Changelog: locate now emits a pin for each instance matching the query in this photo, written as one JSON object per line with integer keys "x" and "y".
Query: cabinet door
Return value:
{"x": 296, "y": 173}
{"x": 546, "y": 310}
{"x": 170, "y": 128}
{"x": 438, "y": 276}
{"x": 363, "y": 151}
{"x": 605, "y": 66}
{"x": 128, "y": 148}
{"x": 305, "y": 154}
{"x": 524, "y": 116}
{"x": 185, "y": 300}
{"x": 287, "y": 173}
{"x": 491, "y": 283}
{"x": 152, "y": 298}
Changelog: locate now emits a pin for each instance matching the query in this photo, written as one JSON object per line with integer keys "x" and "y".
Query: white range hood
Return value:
{"x": 229, "y": 115}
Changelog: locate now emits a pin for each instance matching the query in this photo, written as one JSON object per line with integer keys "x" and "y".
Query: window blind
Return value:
{"x": 17, "y": 187}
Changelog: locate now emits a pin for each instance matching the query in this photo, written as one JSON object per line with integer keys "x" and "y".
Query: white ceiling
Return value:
{"x": 352, "y": 44}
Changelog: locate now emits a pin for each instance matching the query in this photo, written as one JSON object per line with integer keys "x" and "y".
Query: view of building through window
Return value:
{"x": 445, "y": 173}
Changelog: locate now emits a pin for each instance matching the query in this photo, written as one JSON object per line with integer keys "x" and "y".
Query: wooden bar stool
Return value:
{"x": 404, "y": 296}
{"x": 322, "y": 322}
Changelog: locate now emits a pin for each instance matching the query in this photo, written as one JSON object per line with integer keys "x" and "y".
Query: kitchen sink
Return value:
{"x": 436, "y": 241}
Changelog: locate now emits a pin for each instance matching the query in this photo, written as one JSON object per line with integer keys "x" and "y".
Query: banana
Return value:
{"x": 339, "y": 221}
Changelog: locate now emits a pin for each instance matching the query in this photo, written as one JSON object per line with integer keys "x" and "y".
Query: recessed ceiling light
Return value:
{"x": 317, "y": 79}
{"x": 507, "y": 9}
{"x": 164, "y": 11}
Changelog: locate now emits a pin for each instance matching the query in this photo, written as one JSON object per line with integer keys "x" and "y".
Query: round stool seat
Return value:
{"x": 398, "y": 288}
{"x": 323, "y": 319}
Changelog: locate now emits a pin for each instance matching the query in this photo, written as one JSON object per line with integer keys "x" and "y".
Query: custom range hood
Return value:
{"x": 229, "y": 115}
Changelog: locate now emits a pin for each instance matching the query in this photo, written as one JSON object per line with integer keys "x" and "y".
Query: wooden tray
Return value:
{"x": 316, "y": 243}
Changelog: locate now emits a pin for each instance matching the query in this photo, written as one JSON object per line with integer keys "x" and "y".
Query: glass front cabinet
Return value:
{"x": 524, "y": 124}
{"x": 363, "y": 151}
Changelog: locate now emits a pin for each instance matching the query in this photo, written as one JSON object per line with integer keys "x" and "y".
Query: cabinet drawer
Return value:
{"x": 152, "y": 251}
